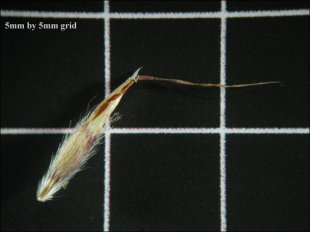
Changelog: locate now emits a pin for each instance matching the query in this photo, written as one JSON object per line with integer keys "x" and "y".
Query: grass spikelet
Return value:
{"x": 79, "y": 146}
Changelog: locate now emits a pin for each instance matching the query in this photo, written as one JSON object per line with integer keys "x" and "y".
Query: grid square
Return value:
{"x": 46, "y": 5}
{"x": 266, "y": 5}
{"x": 48, "y": 77}
{"x": 165, "y": 182}
{"x": 268, "y": 187}
{"x": 268, "y": 49}
{"x": 24, "y": 160}
{"x": 183, "y": 49}
{"x": 164, "y": 6}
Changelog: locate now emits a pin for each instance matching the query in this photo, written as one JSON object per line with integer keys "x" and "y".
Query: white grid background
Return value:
{"x": 223, "y": 15}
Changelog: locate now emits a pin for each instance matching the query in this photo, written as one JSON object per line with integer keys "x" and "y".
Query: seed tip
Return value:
{"x": 135, "y": 74}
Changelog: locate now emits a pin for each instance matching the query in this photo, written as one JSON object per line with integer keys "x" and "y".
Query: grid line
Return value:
{"x": 107, "y": 138}
{"x": 223, "y": 204}
{"x": 171, "y": 130}
{"x": 154, "y": 15}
